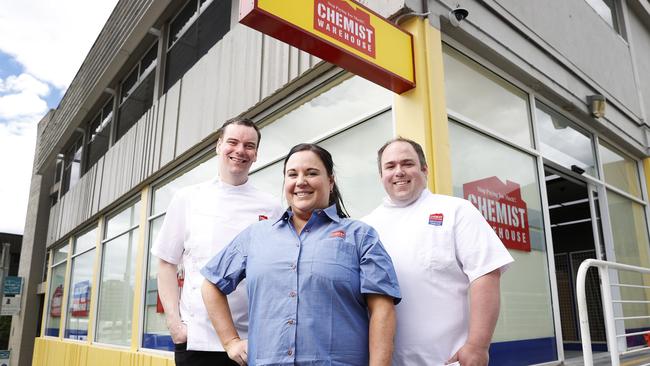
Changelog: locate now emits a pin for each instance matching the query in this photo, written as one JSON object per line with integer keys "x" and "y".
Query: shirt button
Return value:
{"x": 290, "y": 352}
{"x": 293, "y": 266}
{"x": 292, "y": 294}
{"x": 306, "y": 230}
{"x": 290, "y": 322}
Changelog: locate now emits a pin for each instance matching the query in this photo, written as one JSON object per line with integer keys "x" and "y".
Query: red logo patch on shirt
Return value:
{"x": 337, "y": 234}
{"x": 436, "y": 219}
{"x": 262, "y": 217}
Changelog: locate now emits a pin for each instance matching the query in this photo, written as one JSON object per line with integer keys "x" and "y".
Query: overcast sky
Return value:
{"x": 42, "y": 45}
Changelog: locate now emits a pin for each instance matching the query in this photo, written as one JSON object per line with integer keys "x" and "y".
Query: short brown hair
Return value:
{"x": 418, "y": 150}
{"x": 242, "y": 122}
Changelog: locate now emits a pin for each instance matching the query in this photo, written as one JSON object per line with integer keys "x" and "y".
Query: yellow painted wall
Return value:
{"x": 55, "y": 352}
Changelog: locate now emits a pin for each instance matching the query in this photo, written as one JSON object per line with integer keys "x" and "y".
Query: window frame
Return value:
{"x": 129, "y": 202}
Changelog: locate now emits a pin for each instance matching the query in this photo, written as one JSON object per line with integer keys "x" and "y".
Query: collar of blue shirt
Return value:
{"x": 329, "y": 212}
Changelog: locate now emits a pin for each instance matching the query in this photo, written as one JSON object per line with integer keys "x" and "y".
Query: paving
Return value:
{"x": 602, "y": 359}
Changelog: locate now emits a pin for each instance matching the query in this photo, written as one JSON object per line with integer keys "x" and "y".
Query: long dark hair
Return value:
{"x": 326, "y": 158}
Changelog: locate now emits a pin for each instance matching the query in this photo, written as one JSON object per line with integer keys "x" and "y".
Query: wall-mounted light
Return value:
{"x": 597, "y": 104}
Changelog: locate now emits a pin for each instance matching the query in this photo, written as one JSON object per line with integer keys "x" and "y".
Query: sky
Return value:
{"x": 42, "y": 46}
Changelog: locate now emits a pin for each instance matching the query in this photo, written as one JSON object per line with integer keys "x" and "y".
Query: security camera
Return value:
{"x": 456, "y": 16}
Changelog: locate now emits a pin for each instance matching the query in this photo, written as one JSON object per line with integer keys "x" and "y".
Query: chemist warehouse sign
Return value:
{"x": 342, "y": 32}
{"x": 503, "y": 208}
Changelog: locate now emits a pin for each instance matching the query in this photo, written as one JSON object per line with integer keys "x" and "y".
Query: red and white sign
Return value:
{"x": 351, "y": 26}
{"x": 501, "y": 205}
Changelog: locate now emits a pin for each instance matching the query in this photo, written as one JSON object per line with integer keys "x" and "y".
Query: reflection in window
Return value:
{"x": 335, "y": 108}
{"x": 564, "y": 143}
{"x": 192, "y": 33}
{"x": 485, "y": 98}
{"x": 99, "y": 130}
{"x": 203, "y": 171}
{"x": 79, "y": 290}
{"x": 136, "y": 91}
{"x": 526, "y": 311}
{"x": 631, "y": 245}
{"x": 156, "y": 335}
{"x": 607, "y": 10}
{"x": 55, "y": 292}
{"x": 72, "y": 163}
{"x": 620, "y": 170}
{"x": 116, "y": 285}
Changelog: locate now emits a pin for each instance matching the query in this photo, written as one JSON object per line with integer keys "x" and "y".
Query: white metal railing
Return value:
{"x": 613, "y": 337}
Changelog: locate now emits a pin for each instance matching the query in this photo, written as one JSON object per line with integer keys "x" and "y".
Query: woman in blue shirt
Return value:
{"x": 321, "y": 287}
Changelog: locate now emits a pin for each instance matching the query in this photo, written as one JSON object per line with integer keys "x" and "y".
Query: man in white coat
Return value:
{"x": 448, "y": 262}
{"x": 200, "y": 221}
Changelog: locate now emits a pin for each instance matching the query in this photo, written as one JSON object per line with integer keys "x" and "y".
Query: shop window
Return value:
{"x": 99, "y": 131}
{"x": 72, "y": 163}
{"x": 79, "y": 290}
{"x": 498, "y": 179}
{"x": 333, "y": 109}
{"x": 563, "y": 142}
{"x": 630, "y": 233}
{"x": 486, "y": 99}
{"x": 351, "y": 119}
{"x": 55, "y": 292}
{"x": 620, "y": 170}
{"x": 136, "y": 91}
{"x": 606, "y": 9}
{"x": 156, "y": 335}
{"x": 117, "y": 279}
{"x": 192, "y": 32}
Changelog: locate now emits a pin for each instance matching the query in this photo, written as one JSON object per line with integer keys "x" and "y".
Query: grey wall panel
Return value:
{"x": 52, "y": 225}
{"x": 579, "y": 34}
{"x": 159, "y": 122}
{"x": 191, "y": 111}
{"x": 97, "y": 185}
{"x": 640, "y": 42}
{"x": 170, "y": 124}
{"x": 275, "y": 69}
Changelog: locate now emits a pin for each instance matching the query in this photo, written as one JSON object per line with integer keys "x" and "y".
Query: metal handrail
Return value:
{"x": 610, "y": 321}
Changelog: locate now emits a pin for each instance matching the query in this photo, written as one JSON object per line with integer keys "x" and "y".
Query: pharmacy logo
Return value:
{"x": 503, "y": 208}
{"x": 338, "y": 19}
{"x": 436, "y": 219}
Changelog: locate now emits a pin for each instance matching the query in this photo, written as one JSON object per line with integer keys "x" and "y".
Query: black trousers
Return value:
{"x": 183, "y": 357}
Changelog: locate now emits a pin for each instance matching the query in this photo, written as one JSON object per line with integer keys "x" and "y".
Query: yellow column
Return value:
{"x": 140, "y": 267}
{"x": 95, "y": 281}
{"x": 421, "y": 113}
{"x": 66, "y": 289}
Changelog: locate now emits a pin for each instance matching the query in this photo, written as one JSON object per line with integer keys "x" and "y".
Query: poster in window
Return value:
{"x": 55, "y": 303}
{"x": 503, "y": 208}
{"x": 81, "y": 299}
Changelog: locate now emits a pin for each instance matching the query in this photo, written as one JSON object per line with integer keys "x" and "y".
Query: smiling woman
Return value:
{"x": 309, "y": 270}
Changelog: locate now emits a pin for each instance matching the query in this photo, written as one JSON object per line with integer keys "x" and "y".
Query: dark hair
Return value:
{"x": 416, "y": 147}
{"x": 242, "y": 122}
{"x": 326, "y": 158}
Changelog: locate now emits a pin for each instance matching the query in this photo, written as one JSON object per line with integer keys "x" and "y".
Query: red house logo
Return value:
{"x": 503, "y": 208}
{"x": 340, "y": 20}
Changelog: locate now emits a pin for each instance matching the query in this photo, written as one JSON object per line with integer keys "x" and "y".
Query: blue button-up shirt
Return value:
{"x": 306, "y": 292}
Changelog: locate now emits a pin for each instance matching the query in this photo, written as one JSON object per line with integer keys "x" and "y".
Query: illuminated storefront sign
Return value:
{"x": 342, "y": 32}
{"x": 503, "y": 208}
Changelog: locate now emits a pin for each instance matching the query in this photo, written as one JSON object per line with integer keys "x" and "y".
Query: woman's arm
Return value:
{"x": 216, "y": 304}
{"x": 381, "y": 329}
